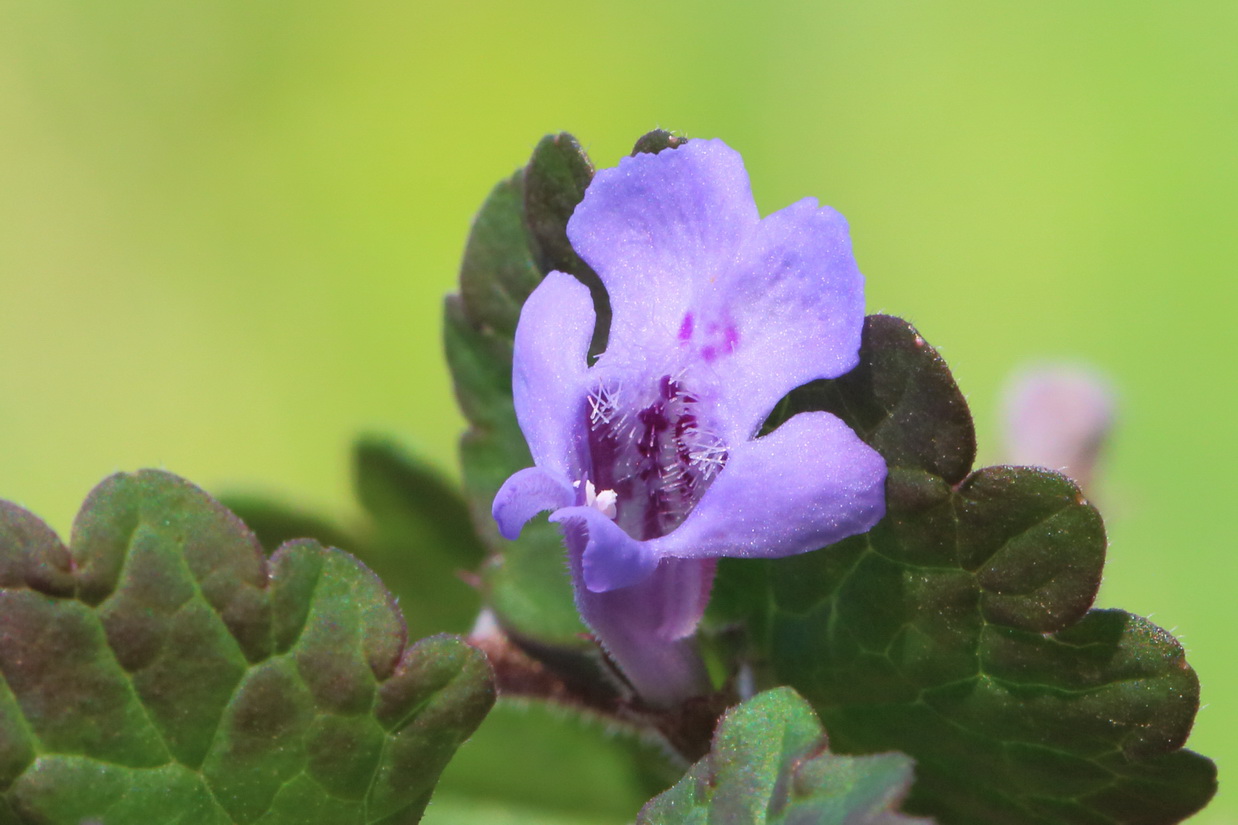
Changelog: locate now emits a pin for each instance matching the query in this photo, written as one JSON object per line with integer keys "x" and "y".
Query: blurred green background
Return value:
{"x": 226, "y": 228}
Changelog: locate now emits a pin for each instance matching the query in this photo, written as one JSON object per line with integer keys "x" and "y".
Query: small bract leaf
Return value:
{"x": 959, "y": 630}
{"x": 770, "y": 764}
{"x": 657, "y": 140}
{"x": 162, "y": 670}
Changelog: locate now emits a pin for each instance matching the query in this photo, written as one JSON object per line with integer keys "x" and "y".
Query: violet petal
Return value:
{"x": 808, "y": 484}
{"x": 790, "y": 311}
{"x": 657, "y": 227}
{"x": 612, "y": 559}
{"x": 646, "y": 628}
{"x": 524, "y": 495}
{"x": 549, "y": 371}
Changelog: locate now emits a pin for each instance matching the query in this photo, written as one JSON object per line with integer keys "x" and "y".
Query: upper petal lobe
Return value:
{"x": 789, "y": 311}
{"x": 658, "y": 227}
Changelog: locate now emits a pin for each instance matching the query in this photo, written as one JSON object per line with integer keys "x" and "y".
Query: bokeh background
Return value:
{"x": 226, "y": 228}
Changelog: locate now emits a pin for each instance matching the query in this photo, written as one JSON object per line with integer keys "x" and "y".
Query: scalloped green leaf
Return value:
{"x": 160, "y": 669}
{"x": 959, "y": 629}
{"x": 770, "y": 764}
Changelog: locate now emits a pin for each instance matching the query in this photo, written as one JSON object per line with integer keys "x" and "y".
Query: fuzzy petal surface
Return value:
{"x": 524, "y": 495}
{"x": 789, "y": 311}
{"x": 656, "y": 228}
{"x": 808, "y": 484}
{"x": 549, "y": 371}
{"x": 612, "y": 559}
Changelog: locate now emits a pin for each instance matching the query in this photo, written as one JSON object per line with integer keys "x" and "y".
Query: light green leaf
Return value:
{"x": 770, "y": 764}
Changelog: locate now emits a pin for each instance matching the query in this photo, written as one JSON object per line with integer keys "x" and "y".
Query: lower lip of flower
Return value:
{"x": 653, "y": 451}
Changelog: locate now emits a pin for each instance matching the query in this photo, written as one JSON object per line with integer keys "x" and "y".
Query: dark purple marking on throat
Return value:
{"x": 647, "y": 458}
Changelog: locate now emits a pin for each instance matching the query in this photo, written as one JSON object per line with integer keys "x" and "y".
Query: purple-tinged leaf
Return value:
{"x": 161, "y": 669}
{"x": 418, "y": 535}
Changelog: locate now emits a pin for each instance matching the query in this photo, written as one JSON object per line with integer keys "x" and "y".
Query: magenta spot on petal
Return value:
{"x": 722, "y": 338}
{"x": 685, "y": 329}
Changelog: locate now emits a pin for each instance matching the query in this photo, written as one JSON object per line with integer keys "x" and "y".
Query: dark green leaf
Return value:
{"x": 901, "y": 399}
{"x": 555, "y": 181}
{"x": 421, "y": 540}
{"x": 958, "y": 630}
{"x": 770, "y": 765}
{"x": 274, "y": 522}
{"x": 518, "y": 236}
{"x": 162, "y": 670}
{"x": 498, "y": 270}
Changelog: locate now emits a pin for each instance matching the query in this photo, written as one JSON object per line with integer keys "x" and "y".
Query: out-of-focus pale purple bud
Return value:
{"x": 1058, "y": 417}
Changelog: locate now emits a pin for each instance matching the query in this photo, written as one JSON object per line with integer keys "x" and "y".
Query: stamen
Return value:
{"x": 657, "y": 456}
{"x": 603, "y": 403}
{"x": 712, "y": 456}
{"x": 604, "y": 502}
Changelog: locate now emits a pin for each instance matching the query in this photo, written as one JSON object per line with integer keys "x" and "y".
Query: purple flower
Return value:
{"x": 649, "y": 459}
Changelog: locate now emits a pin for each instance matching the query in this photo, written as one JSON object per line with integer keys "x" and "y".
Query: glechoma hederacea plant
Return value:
{"x": 767, "y": 549}
{"x": 649, "y": 458}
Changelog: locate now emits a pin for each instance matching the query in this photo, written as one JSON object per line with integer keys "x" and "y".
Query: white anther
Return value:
{"x": 599, "y": 412}
{"x": 603, "y": 403}
{"x": 709, "y": 454}
{"x": 603, "y": 502}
